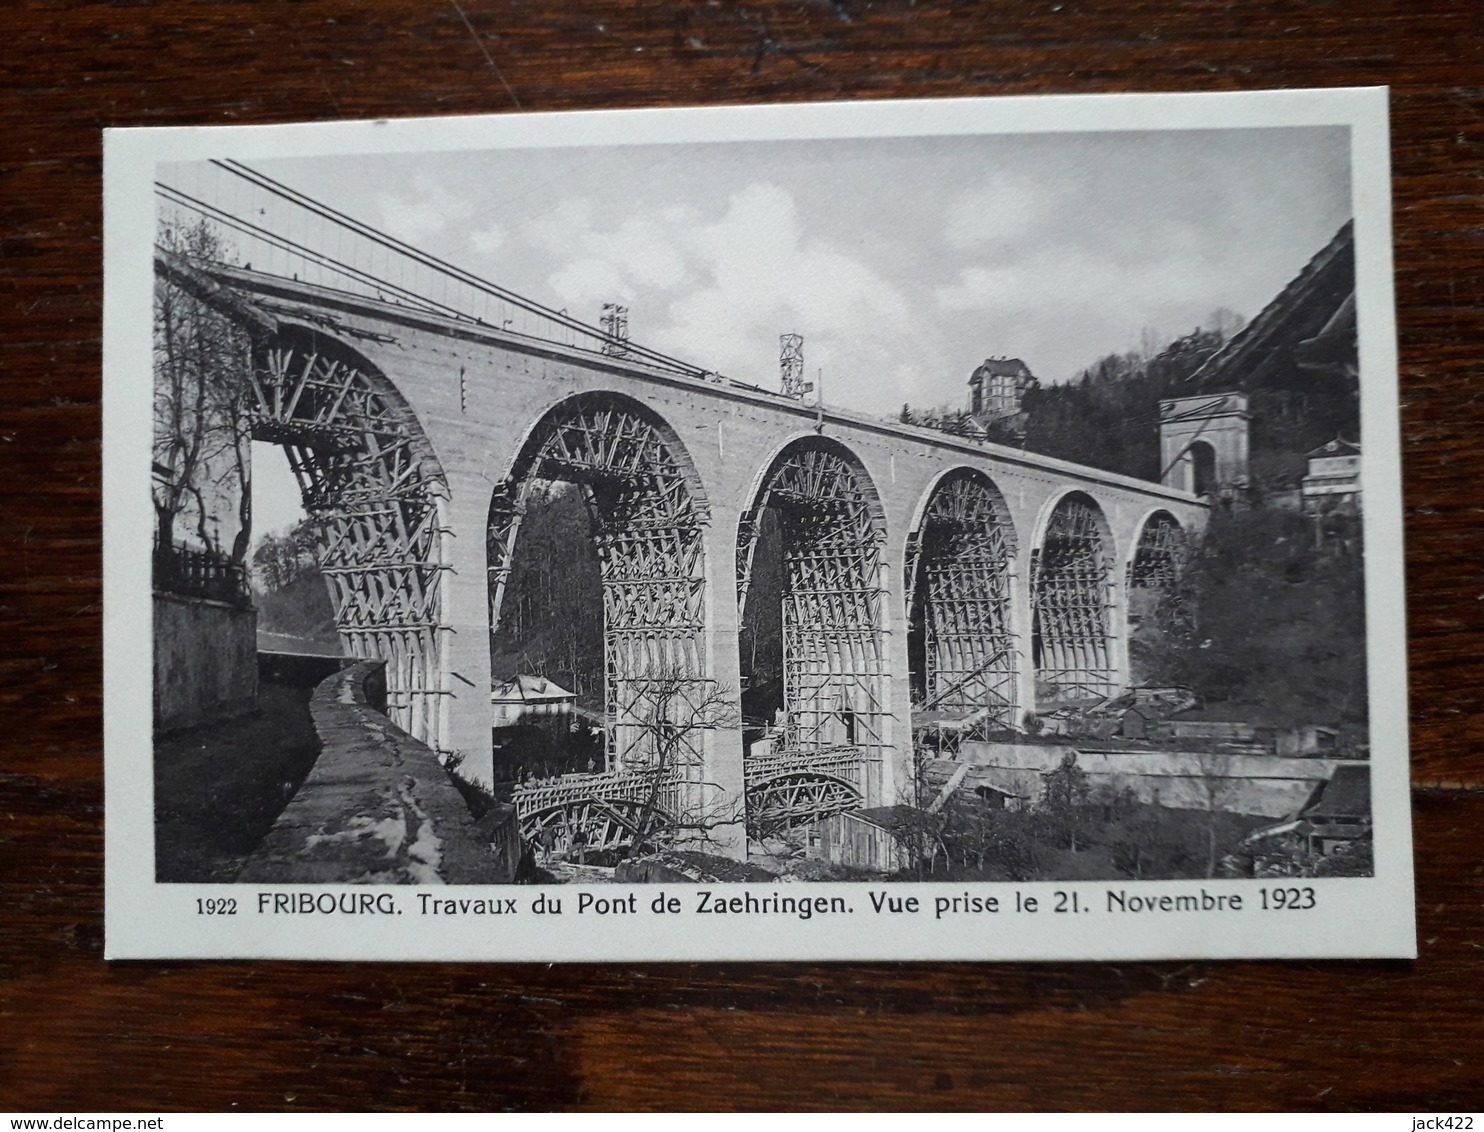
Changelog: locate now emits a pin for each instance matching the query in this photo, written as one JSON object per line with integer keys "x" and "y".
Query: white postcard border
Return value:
{"x": 1355, "y": 917}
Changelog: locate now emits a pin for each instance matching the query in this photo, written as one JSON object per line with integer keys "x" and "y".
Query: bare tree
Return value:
{"x": 201, "y": 435}
{"x": 1218, "y": 790}
{"x": 664, "y": 735}
{"x": 1225, "y": 322}
{"x": 918, "y": 835}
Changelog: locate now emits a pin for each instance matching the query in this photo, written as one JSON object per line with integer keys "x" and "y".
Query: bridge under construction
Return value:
{"x": 420, "y": 406}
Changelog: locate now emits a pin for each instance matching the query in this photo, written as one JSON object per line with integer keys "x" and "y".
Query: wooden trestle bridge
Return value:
{"x": 989, "y": 578}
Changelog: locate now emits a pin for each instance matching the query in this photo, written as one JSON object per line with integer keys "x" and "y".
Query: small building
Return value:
{"x": 997, "y": 389}
{"x": 1337, "y": 814}
{"x": 945, "y": 730}
{"x": 1134, "y": 722}
{"x": 1341, "y": 812}
{"x": 1165, "y": 699}
{"x": 1333, "y": 480}
{"x": 1212, "y": 730}
{"x": 996, "y": 798}
{"x": 525, "y": 699}
{"x": 1311, "y": 739}
{"x": 946, "y": 779}
{"x": 877, "y": 839}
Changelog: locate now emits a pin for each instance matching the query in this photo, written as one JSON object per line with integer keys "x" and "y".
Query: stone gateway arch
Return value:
{"x": 920, "y": 571}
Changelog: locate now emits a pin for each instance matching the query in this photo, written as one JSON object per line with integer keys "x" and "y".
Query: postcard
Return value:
{"x": 963, "y": 529}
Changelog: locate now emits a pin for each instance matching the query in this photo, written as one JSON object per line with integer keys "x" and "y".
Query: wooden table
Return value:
{"x": 81, "y": 1034}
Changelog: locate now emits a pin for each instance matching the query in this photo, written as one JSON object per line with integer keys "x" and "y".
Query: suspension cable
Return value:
{"x": 440, "y": 266}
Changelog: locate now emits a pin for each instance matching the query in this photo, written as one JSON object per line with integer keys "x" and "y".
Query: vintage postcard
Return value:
{"x": 924, "y": 530}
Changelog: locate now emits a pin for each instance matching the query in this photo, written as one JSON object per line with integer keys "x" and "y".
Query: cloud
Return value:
{"x": 717, "y": 281}
{"x": 762, "y": 276}
{"x": 641, "y": 256}
{"x": 1003, "y": 208}
{"x": 560, "y": 228}
{"x": 1047, "y": 305}
{"x": 589, "y": 283}
{"x": 979, "y": 288}
{"x": 428, "y": 210}
{"x": 488, "y": 240}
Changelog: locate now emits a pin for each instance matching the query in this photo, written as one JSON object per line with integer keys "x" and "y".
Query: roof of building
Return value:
{"x": 1339, "y": 446}
{"x": 1335, "y": 344}
{"x": 1001, "y": 367}
{"x": 947, "y": 720}
{"x": 1306, "y": 309}
{"x": 885, "y": 817}
{"x": 1346, "y": 796}
{"x": 529, "y": 690}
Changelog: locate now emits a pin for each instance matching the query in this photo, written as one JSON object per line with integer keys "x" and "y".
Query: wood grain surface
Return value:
{"x": 80, "y": 1034}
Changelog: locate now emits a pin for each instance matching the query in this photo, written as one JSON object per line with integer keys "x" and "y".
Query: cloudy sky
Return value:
{"x": 903, "y": 262}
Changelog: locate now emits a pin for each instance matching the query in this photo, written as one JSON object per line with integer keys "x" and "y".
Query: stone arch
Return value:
{"x": 1156, "y": 559}
{"x": 649, "y": 513}
{"x": 836, "y": 695}
{"x": 1071, "y": 602}
{"x": 1158, "y": 553}
{"x": 959, "y": 564}
{"x": 376, "y": 492}
{"x": 1202, "y": 455}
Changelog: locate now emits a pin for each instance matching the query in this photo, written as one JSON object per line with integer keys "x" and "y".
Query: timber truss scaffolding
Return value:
{"x": 373, "y": 487}
{"x": 958, "y": 574}
{"x": 834, "y": 668}
{"x": 1160, "y": 556}
{"x": 597, "y": 812}
{"x": 796, "y": 788}
{"x": 1071, "y": 584}
{"x": 648, "y": 523}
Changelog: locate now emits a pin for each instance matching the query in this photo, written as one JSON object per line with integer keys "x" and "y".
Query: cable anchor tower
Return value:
{"x": 791, "y": 366}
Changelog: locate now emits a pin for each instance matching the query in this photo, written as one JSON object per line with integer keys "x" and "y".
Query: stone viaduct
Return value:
{"x": 416, "y": 436}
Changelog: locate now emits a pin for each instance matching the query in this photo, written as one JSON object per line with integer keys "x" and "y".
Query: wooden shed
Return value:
{"x": 873, "y": 839}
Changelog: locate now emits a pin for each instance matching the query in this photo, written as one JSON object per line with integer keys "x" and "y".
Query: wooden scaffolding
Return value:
{"x": 1071, "y": 586}
{"x": 834, "y": 669}
{"x": 1160, "y": 555}
{"x": 958, "y": 572}
{"x": 374, "y": 489}
{"x": 648, "y": 523}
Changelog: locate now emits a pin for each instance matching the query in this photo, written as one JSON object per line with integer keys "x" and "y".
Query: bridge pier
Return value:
{"x": 465, "y": 607}
{"x": 894, "y": 778}
{"x": 722, "y": 750}
{"x": 1121, "y": 672}
{"x": 1022, "y": 621}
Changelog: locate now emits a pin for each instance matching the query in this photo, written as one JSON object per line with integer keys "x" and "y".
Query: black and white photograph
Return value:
{"x": 664, "y": 534}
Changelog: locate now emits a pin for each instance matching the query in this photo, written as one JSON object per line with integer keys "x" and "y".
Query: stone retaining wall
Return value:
{"x": 378, "y": 807}
{"x": 1262, "y": 785}
{"x": 205, "y": 661}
